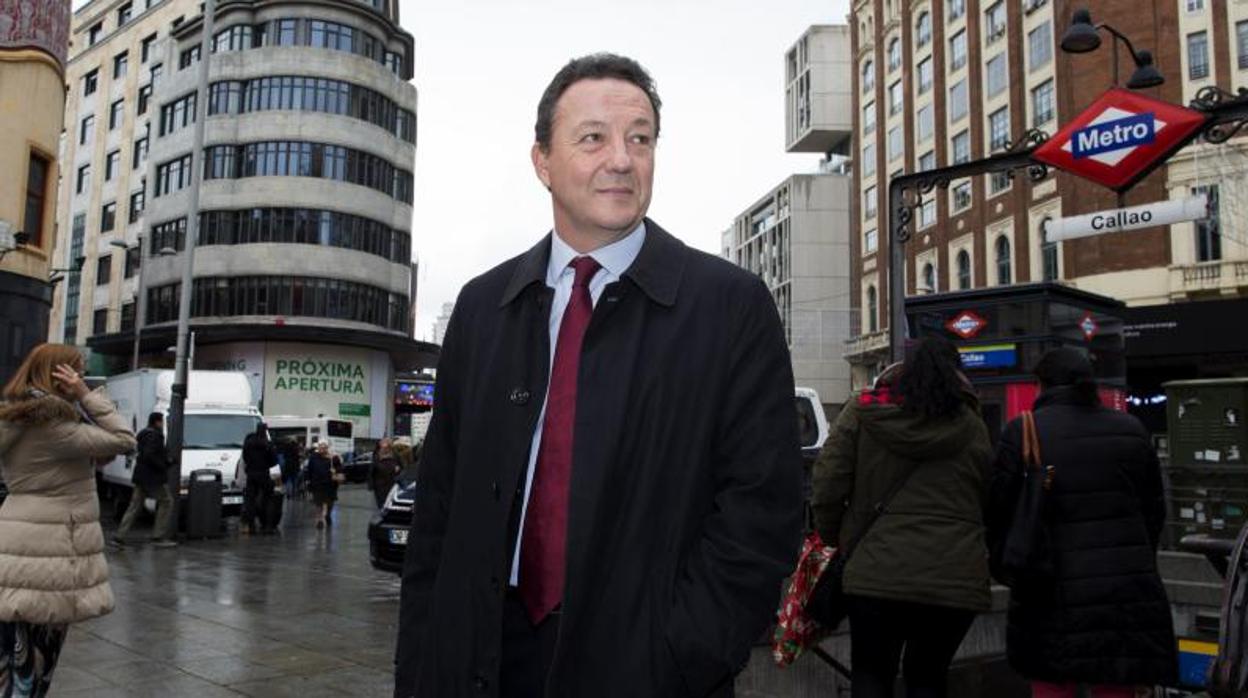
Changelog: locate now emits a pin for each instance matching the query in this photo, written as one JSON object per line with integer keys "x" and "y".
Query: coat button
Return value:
{"x": 480, "y": 682}
{"x": 519, "y": 397}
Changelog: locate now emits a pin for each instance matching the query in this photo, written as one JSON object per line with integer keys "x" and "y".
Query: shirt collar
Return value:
{"x": 615, "y": 258}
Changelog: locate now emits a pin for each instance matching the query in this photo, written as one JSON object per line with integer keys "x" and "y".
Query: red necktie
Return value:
{"x": 543, "y": 547}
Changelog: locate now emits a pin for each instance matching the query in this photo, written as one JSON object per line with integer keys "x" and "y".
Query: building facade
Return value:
{"x": 440, "y": 324}
{"x": 34, "y": 39}
{"x": 939, "y": 82}
{"x": 303, "y": 273}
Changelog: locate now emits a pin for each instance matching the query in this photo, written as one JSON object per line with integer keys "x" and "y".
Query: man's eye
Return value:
{"x": 642, "y": 139}
{"x": 591, "y": 138}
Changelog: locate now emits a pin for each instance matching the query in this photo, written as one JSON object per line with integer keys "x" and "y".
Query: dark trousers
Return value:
{"x": 922, "y": 638}
{"x": 259, "y": 489}
{"x": 527, "y": 650}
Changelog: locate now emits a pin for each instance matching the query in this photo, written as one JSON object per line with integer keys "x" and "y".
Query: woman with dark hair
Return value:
{"x": 52, "y": 568}
{"x": 1101, "y": 616}
{"x": 920, "y": 573}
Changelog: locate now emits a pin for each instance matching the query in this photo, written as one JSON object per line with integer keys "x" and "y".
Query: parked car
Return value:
{"x": 387, "y": 531}
{"x": 4, "y": 491}
{"x": 358, "y": 468}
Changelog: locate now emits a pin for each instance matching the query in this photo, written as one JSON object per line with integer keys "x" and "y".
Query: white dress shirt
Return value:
{"x": 615, "y": 259}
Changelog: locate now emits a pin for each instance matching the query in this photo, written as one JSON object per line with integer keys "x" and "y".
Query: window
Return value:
{"x": 957, "y": 8}
{"x": 1241, "y": 43}
{"x": 896, "y": 148}
{"x": 996, "y": 75}
{"x": 171, "y": 234}
{"x": 140, "y": 153}
{"x": 94, "y": 33}
{"x": 927, "y": 213}
{"x": 116, "y": 113}
{"x": 998, "y": 182}
{"x": 173, "y": 176}
{"x": 962, "y": 195}
{"x": 926, "y": 122}
{"x": 36, "y": 198}
{"x": 868, "y": 160}
{"x": 894, "y": 54}
{"x": 1195, "y": 5}
{"x": 99, "y": 321}
{"x": 923, "y": 29}
{"x": 895, "y": 98}
{"x": 136, "y": 205}
{"x": 235, "y": 38}
{"x": 124, "y": 13}
{"x": 925, "y": 75}
{"x": 108, "y": 216}
{"x": 873, "y": 323}
{"x": 868, "y": 76}
{"x": 111, "y": 163}
{"x": 177, "y": 114}
{"x": 188, "y": 57}
{"x": 964, "y": 270}
{"x": 103, "y": 270}
{"x": 90, "y": 82}
{"x": 134, "y": 257}
{"x": 1003, "y": 261}
{"x": 304, "y": 226}
{"x": 961, "y": 148}
{"x": 86, "y": 128}
{"x": 312, "y": 94}
{"x": 1209, "y": 230}
{"x": 127, "y": 315}
{"x": 284, "y": 32}
{"x": 145, "y": 95}
{"x": 959, "y": 102}
{"x": 994, "y": 22}
{"x": 156, "y": 72}
{"x": 1042, "y": 107}
{"x": 120, "y": 62}
{"x": 927, "y": 161}
{"x": 1197, "y": 56}
{"x": 929, "y": 278}
{"x": 999, "y": 129}
{"x": 870, "y": 242}
{"x": 84, "y": 179}
{"x": 303, "y": 159}
{"x": 957, "y": 50}
{"x": 868, "y": 119}
{"x": 1048, "y": 254}
{"x": 1040, "y": 46}
{"x": 145, "y": 51}
{"x": 868, "y": 203}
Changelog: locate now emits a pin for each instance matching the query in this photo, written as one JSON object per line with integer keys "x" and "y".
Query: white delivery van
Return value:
{"x": 220, "y": 413}
{"x": 307, "y": 431}
{"x": 812, "y": 423}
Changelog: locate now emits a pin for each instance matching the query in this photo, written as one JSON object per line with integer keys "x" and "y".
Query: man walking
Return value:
{"x": 609, "y": 494}
{"x": 150, "y": 479}
{"x": 259, "y": 457}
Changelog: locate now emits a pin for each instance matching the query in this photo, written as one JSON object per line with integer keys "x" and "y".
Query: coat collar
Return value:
{"x": 657, "y": 269}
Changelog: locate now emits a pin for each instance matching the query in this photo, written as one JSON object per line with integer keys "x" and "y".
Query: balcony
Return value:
{"x": 1226, "y": 277}
{"x": 818, "y": 99}
{"x": 857, "y": 349}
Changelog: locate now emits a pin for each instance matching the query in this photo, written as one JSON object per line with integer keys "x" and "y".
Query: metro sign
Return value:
{"x": 1089, "y": 326}
{"x": 1122, "y": 137}
{"x": 966, "y": 324}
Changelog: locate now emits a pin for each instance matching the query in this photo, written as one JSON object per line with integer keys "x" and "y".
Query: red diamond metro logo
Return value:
{"x": 1122, "y": 137}
{"x": 966, "y": 324}
{"x": 1089, "y": 326}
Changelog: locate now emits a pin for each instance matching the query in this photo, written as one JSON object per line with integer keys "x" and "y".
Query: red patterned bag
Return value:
{"x": 795, "y": 629}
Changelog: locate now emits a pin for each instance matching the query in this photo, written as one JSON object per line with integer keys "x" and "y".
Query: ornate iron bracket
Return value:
{"x": 1228, "y": 112}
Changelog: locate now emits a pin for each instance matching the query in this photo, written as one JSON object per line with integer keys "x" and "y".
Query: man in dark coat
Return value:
{"x": 609, "y": 494}
{"x": 1103, "y": 618}
{"x": 259, "y": 457}
{"x": 150, "y": 479}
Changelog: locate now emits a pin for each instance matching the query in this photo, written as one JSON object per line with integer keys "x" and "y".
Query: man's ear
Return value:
{"x": 541, "y": 164}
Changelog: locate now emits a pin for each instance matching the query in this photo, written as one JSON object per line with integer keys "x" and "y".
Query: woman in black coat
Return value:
{"x": 1103, "y": 618}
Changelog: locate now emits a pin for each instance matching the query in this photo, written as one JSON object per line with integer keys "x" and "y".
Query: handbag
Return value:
{"x": 795, "y": 629}
{"x": 827, "y": 604}
{"x": 1027, "y": 550}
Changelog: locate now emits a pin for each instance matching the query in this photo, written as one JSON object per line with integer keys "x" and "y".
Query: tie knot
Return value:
{"x": 585, "y": 268}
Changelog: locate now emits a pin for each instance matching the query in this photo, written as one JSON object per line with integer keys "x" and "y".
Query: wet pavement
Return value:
{"x": 301, "y": 614}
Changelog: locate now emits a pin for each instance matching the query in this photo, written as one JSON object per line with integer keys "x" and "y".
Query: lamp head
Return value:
{"x": 1146, "y": 74}
{"x": 1081, "y": 35}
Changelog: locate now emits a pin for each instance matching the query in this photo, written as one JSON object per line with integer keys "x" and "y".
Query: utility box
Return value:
{"x": 1208, "y": 448}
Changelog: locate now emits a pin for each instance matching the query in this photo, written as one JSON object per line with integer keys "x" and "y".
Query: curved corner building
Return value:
{"x": 303, "y": 274}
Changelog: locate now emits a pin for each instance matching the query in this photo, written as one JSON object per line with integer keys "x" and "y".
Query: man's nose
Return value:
{"x": 620, "y": 159}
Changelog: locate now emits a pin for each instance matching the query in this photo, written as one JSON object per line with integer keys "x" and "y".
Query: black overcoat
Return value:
{"x": 1105, "y": 617}
{"x": 685, "y": 510}
{"x": 151, "y": 463}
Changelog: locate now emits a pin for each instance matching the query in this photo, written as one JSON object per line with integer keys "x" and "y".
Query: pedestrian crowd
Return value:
{"x": 609, "y": 496}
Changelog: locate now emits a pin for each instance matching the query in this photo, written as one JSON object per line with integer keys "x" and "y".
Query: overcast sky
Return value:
{"x": 481, "y": 66}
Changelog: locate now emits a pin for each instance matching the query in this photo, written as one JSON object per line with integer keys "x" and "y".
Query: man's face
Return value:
{"x": 600, "y": 164}
{"x": 159, "y": 425}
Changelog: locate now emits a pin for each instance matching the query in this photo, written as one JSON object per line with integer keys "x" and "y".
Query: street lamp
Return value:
{"x": 140, "y": 295}
{"x": 1081, "y": 37}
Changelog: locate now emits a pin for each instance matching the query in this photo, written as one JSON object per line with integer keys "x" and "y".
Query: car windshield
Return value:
{"x": 218, "y": 430}
{"x": 807, "y": 424}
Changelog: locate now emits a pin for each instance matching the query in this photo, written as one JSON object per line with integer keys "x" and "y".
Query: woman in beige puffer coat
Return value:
{"x": 52, "y": 567}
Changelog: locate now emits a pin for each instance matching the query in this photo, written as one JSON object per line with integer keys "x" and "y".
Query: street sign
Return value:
{"x": 989, "y": 356}
{"x": 1121, "y": 219}
{"x": 1122, "y": 137}
{"x": 966, "y": 324}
